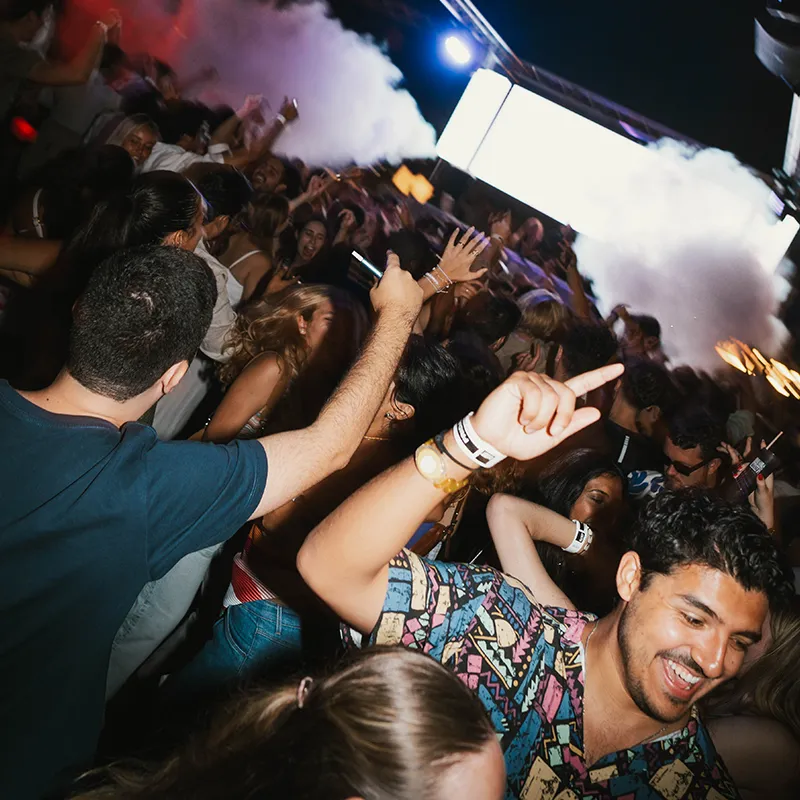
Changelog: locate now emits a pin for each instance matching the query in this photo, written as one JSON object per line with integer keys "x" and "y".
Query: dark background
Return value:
{"x": 688, "y": 64}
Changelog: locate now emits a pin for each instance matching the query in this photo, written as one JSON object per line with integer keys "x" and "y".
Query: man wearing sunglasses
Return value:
{"x": 691, "y": 456}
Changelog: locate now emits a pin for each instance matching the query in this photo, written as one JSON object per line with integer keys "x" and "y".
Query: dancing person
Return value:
{"x": 268, "y": 349}
{"x": 582, "y": 486}
{"x": 250, "y": 252}
{"x": 86, "y": 481}
{"x": 137, "y": 134}
{"x": 694, "y": 590}
{"x": 388, "y": 724}
{"x": 691, "y": 449}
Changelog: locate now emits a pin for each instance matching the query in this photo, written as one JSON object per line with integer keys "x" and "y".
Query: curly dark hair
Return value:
{"x": 691, "y": 425}
{"x": 646, "y": 384}
{"x": 692, "y": 526}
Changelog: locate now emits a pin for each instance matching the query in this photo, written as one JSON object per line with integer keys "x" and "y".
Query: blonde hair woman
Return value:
{"x": 390, "y": 724}
{"x": 271, "y": 345}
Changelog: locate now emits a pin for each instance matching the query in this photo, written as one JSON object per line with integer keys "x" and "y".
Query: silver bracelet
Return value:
{"x": 478, "y": 451}
{"x": 280, "y": 119}
{"x": 582, "y": 540}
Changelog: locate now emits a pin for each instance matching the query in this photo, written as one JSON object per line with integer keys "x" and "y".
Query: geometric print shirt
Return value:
{"x": 525, "y": 663}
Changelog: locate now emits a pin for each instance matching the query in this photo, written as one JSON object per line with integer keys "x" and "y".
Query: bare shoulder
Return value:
{"x": 267, "y": 366}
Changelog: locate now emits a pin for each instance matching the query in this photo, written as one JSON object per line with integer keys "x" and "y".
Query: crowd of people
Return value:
{"x": 278, "y": 523}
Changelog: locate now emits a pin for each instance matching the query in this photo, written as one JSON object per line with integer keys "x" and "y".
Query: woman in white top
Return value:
{"x": 250, "y": 252}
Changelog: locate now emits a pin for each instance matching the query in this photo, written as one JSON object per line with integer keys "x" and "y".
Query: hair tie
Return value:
{"x": 302, "y": 691}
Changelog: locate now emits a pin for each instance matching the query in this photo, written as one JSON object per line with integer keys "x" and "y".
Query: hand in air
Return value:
{"x": 500, "y": 225}
{"x": 348, "y": 219}
{"x": 530, "y": 414}
{"x": 397, "y": 292}
{"x": 252, "y": 103}
{"x": 289, "y": 110}
{"x": 458, "y": 258}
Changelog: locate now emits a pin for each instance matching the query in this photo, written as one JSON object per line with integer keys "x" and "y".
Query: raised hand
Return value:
{"x": 500, "y": 225}
{"x": 530, "y": 414}
{"x": 348, "y": 219}
{"x": 289, "y": 110}
{"x": 397, "y": 292}
{"x": 458, "y": 258}
{"x": 252, "y": 103}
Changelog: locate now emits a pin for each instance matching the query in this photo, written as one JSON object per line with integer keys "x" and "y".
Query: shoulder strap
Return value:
{"x": 244, "y": 258}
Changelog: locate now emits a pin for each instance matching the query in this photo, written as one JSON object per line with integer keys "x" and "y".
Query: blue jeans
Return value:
{"x": 260, "y": 638}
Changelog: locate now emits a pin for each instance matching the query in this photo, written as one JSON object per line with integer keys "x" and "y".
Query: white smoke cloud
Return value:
{"x": 351, "y": 109}
{"x": 686, "y": 244}
{"x": 351, "y": 106}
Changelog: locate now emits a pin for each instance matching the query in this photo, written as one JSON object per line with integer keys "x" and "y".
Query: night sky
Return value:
{"x": 688, "y": 64}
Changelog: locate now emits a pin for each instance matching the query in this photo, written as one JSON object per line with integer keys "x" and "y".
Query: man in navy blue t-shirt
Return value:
{"x": 94, "y": 505}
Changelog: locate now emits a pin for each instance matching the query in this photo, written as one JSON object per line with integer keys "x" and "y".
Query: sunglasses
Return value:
{"x": 683, "y": 469}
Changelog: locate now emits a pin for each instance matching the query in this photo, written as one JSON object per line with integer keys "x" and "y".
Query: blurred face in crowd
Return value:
{"x": 633, "y": 341}
{"x": 311, "y": 240}
{"x": 139, "y": 144}
{"x": 686, "y": 468}
{"x": 600, "y": 502}
{"x": 683, "y": 635}
{"x": 166, "y": 85}
{"x": 268, "y": 175}
{"x": 316, "y": 329}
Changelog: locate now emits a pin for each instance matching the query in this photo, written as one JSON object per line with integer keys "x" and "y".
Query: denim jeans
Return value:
{"x": 259, "y": 638}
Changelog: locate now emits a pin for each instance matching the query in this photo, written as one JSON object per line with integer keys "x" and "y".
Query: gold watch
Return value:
{"x": 431, "y": 464}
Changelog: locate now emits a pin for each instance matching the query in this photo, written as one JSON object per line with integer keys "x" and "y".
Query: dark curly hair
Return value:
{"x": 692, "y": 526}
{"x": 691, "y": 425}
{"x": 586, "y": 347}
{"x": 646, "y": 384}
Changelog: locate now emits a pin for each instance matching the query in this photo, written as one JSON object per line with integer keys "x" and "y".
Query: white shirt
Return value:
{"x": 224, "y": 316}
{"x": 173, "y": 158}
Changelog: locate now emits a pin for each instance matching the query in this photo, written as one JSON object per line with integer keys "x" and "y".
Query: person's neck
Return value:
{"x": 66, "y": 396}
{"x": 623, "y": 414}
{"x": 607, "y": 699}
{"x": 380, "y": 427}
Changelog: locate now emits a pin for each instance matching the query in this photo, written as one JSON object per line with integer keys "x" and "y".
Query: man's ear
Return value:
{"x": 402, "y": 411}
{"x": 172, "y": 377}
{"x": 714, "y": 465}
{"x": 629, "y": 575}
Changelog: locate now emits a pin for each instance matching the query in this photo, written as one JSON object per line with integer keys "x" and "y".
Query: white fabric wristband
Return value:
{"x": 479, "y": 452}
{"x": 583, "y": 538}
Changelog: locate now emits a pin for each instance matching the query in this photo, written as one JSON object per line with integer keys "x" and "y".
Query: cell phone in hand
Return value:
{"x": 369, "y": 266}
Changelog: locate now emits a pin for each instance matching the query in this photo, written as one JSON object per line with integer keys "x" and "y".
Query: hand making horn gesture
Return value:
{"x": 530, "y": 414}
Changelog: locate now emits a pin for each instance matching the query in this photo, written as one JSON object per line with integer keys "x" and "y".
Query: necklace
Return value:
{"x": 652, "y": 736}
{"x": 377, "y": 439}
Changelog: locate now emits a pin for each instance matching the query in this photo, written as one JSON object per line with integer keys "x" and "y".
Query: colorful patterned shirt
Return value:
{"x": 525, "y": 663}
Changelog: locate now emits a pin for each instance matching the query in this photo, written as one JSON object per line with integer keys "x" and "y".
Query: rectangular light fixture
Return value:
{"x": 561, "y": 163}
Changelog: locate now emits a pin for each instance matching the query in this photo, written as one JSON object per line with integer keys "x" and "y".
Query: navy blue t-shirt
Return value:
{"x": 88, "y": 515}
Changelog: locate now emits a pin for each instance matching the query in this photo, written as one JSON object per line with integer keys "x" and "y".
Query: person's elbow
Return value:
{"x": 498, "y": 509}
{"x": 309, "y": 567}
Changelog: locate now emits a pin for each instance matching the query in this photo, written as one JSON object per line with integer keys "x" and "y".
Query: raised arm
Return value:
{"x": 515, "y": 524}
{"x": 80, "y": 68}
{"x": 300, "y": 459}
{"x": 258, "y": 149}
{"x": 345, "y": 559}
